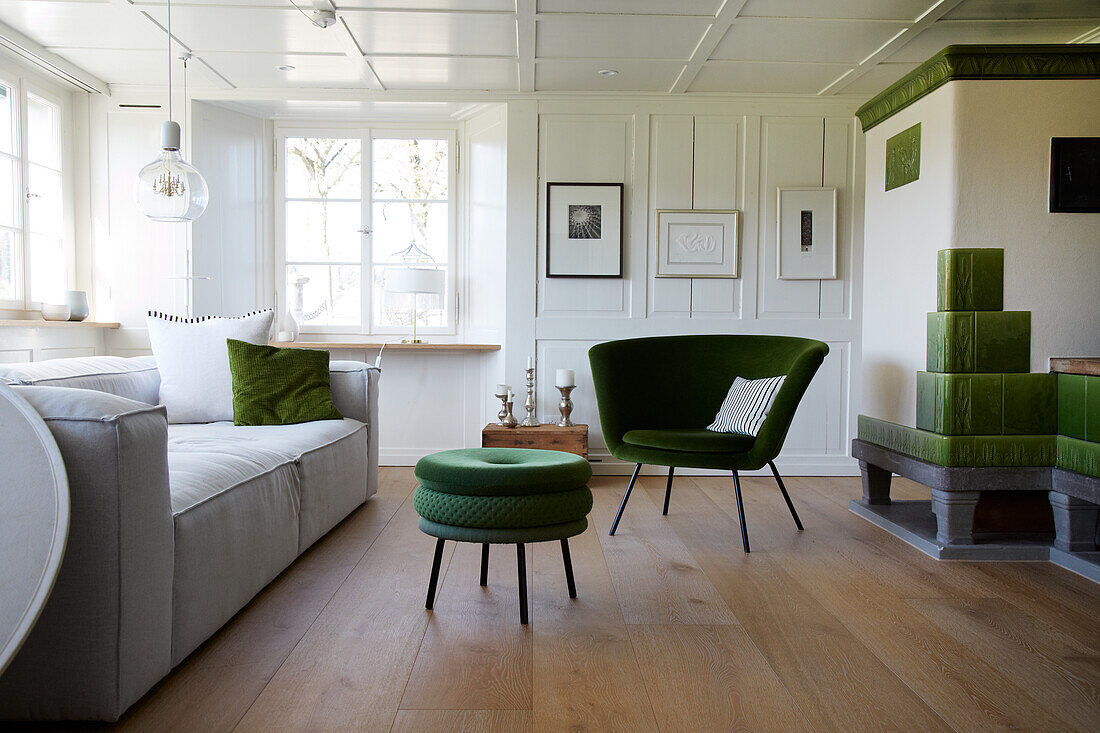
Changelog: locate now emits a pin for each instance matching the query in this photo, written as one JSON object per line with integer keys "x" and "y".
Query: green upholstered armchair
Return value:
{"x": 657, "y": 395}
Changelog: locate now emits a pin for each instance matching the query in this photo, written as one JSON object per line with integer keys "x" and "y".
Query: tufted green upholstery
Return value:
{"x": 502, "y": 512}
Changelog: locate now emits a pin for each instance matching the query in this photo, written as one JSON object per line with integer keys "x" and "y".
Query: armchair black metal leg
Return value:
{"x": 521, "y": 556}
{"x": 668, "y": 491}
{"x": 626, "y": 496}
{"x": 435, "y": 574}
{"x": 485, "y": 563}
{"x": 786, "y": 497}
{"x": 741, "y": 512}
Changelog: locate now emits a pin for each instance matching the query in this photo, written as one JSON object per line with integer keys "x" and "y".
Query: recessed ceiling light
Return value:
{"x": 608, "y": 72}
{"x": 285, "y": 67}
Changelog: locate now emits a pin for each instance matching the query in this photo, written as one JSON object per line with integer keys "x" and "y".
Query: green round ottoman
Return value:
{"x": 502, "y": 496}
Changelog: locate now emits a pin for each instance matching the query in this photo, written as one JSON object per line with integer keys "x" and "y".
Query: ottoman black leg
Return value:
{"x": 626, "y": 497}
{"x": 521, "y": 556}
{"x": 485, "y": 564}
{"x": 435, "y": 574}
{"x": 668, "y": 490}
{"x": 568, "y": 569}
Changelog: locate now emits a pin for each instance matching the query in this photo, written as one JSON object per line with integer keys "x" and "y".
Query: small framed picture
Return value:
{"x": 584, "y": 230}
{"x": 1075, "y": 174}
{"x": 807, "y": 234}
{"x": 698, "y": 243}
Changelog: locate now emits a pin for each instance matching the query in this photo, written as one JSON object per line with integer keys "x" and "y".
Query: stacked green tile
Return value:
{"x": 1079, "y": 423}
{"x": 977, "y": 405}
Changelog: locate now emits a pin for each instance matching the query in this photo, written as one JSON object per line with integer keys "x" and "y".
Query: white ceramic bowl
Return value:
{"x": 56, "y": 312}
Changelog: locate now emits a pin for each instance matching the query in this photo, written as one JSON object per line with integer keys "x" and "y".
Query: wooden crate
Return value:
{"x": 546, "y": 437}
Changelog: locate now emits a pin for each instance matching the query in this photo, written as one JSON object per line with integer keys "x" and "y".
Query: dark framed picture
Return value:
{"x": 584, "y": 230}
{"x": 1075, "y": 174}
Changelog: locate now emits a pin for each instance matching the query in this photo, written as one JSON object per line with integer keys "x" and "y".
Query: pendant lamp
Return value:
{"x": 169, "y": 188}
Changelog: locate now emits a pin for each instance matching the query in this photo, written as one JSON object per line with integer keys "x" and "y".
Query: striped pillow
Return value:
{"x": 746, "y": 405}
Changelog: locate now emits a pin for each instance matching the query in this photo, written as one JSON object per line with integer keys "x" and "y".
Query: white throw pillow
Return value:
{"x": 193, "y": 359}
{"x": 746, "y": 405}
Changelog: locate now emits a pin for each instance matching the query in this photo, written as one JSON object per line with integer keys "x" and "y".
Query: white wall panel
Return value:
{"x": 581, "y": 149}
{"x": 791, "y": 156}
{"x": 670, "y": 187}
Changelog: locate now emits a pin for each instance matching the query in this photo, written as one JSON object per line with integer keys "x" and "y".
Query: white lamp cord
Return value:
{"x": 169, "y": 60}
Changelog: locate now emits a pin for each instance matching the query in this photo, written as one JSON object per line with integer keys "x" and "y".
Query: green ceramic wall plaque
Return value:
{"x": 903, "y": 157}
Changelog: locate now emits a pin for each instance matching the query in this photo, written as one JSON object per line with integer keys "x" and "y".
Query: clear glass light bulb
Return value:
{"x": 169, "y": 188}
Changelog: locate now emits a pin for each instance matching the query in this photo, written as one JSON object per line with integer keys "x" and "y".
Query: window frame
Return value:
{"x": 367, "y": 132}
{"x": 23, "y": 85}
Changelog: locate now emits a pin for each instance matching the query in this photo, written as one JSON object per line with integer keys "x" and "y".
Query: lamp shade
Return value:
{"x": 414, "y": 280}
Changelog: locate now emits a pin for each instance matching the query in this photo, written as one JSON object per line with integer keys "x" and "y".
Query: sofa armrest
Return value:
{"x": 355, "y": 394}
{"x": 105, "y": 635}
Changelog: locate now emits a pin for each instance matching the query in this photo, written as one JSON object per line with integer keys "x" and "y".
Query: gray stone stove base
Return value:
{"x": 914, "y": 523}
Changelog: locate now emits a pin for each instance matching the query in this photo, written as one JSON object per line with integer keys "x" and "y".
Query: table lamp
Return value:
{"x": 415, "y": 281}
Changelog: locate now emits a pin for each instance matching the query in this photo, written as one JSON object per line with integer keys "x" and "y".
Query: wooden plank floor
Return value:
{"x": 838, "y": 628}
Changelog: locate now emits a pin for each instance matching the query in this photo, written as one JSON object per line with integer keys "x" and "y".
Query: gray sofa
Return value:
{"x": 174, "y": 528}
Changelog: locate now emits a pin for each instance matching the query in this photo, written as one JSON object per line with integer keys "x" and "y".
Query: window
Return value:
{"x": 357, "y": 205}
{"x": 34, "y": 256}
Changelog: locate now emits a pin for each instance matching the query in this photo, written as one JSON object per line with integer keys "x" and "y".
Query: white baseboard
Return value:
{"x": 605, "y": 465}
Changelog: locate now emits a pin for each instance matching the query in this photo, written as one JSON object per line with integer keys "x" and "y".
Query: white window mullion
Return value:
{"x": 366, "y": 239}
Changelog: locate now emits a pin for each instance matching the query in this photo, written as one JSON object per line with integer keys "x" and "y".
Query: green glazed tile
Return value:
{"x": 903, "y": 157}
{"x": 1030, "y": 404}
{"x": 959, "y": 450}
{"x": 970, "y": 280}
{"x": 979, "y": 341}
{"x": 1092, "y": 409}
{"x": 1081, "y": 456}
{"x": 1071, "y": 405}
{"x": 959, "y": 404}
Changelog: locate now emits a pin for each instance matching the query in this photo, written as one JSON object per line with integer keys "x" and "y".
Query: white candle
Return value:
{"x": 530, "y": 362}
{"x": 502, "y": 389}
{"x": 564, "y": 378}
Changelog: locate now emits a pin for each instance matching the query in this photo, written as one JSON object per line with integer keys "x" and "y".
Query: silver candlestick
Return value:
{"x": 530, "y": 421}
{"x": 565, "y": 407}
{"x": 507, "y": 419}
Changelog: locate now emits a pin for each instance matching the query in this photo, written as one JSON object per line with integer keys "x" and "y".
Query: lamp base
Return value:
{"x": 413, "y": 341}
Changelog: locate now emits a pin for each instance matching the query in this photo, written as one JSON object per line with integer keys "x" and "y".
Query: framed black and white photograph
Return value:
{"x": 1075, "y": 174}
{"x": 698, "y": 243}
{"x": 807, "y": 234}
{"x": 584, "y": 230}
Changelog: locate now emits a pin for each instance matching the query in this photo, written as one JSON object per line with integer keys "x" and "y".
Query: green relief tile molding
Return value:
{"x": 1071, "y": 405}
{"x": 987, "y": 404}
{"x": 959, "y": 404}
{"x": 903, "y": 157}
{"x": 959, "y": 450}
{"x": 1081, "y": 456}
{"x": 999, "y": 61}
{"x": 970, "y": 280}
{"x": 979, "y": 341}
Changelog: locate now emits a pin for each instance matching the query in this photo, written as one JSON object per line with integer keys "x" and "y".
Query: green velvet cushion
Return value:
{"x": 518, "y": 535}
{"x": 502, "y": 512}
{"x": 690, "y": 440}
{"x": 273, "y": 386}
{"x": 502, "y": 471}
{"x": 679, "y": 382}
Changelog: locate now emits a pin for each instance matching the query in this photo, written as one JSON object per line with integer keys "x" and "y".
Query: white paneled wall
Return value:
{"x": 706, "y": 156}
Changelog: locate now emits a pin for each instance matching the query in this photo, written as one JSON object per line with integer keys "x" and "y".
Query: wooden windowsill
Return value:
{"x": 389, "y": 346}
{"x": 42, "y": 323}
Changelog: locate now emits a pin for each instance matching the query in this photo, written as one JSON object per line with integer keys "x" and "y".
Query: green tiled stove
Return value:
{"x": 989, "y": 432}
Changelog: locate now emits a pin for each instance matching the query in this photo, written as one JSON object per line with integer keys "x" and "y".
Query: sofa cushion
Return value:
{"x": 195, "y": 382}
{"x": 135, "y": 378}
{"x": 690, "y": 440}
{"x": 273, "y": 386}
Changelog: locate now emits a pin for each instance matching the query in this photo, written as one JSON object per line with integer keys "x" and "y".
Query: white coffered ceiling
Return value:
{"x": 801, "y": 47}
